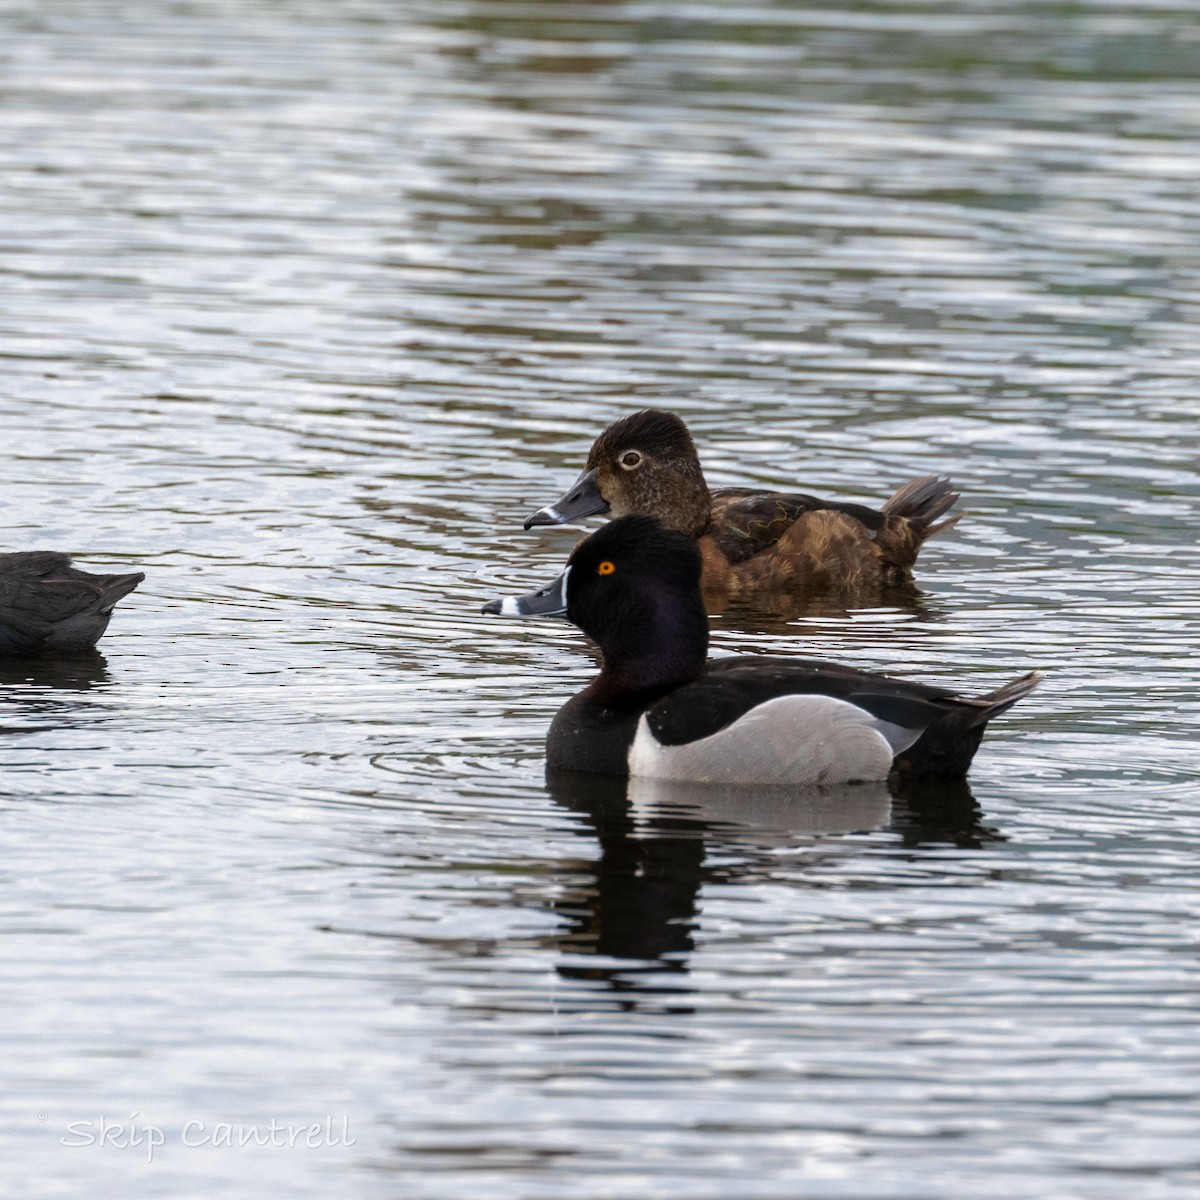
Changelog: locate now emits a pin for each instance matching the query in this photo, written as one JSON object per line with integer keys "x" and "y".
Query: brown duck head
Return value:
{"x": 643, "y": 464}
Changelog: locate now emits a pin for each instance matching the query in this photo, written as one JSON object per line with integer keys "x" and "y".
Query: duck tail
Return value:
{"x": 1003, "y": 698}
{"x": 116, "y": 587}
{"x": 945, "y": 749}
{"x": 921, "y": 501}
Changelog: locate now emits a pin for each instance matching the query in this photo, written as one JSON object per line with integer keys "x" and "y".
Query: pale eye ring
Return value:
{"x": 631, "y": 459}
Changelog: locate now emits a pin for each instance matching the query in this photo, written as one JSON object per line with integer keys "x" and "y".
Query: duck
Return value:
{"x": 754, "y": 544}
{"x": 660, "y": 709}
{"x": 47, "y": 606}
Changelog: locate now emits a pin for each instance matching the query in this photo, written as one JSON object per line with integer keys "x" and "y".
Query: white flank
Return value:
{"x": 812, "y": 741}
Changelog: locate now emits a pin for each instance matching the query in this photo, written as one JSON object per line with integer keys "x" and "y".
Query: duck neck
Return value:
{"x": 693, "y": 512}
{"x": 637, "y": 666}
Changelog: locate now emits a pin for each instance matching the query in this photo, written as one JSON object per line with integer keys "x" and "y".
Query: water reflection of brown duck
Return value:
{"x": 49, "y": 607}
{"x": 755, "y": 545}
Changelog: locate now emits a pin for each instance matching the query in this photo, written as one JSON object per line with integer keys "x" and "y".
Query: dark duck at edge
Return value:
{"x": 48, "y": 606}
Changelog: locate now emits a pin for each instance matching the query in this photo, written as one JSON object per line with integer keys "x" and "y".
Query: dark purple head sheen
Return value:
{"x": 634, "y": 589}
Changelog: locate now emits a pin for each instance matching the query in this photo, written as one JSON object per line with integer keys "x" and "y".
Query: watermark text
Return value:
{"x": 147, "y": 1138}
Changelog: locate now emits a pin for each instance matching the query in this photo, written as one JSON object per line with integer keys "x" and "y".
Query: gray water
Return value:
{"x": 303, "y": 307}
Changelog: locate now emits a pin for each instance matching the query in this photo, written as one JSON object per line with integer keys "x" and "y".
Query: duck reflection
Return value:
{"x": 890, "y": 603}
{"x": 939, "y": 812}
{"x": 632, "y": 926}
{"x": 35, "y": 683}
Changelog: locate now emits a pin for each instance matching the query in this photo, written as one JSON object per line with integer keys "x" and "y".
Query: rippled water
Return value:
{"x": 305, "y": 307}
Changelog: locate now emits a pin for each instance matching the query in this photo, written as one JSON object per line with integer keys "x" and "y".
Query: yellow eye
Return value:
{"x": 606, "y": 568}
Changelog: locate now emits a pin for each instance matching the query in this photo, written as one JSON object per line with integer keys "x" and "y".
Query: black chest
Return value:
{"x": 587, "y": 735}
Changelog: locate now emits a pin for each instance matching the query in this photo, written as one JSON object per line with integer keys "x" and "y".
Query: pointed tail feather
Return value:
{"x": 115, "y": 587}
{"x": 945, "y": 749}
{"x": 921, "y": 501}
{"x": 1003, "y": 698}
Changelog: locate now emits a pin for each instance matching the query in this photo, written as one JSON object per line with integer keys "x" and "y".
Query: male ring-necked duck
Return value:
{"x": 753, "y": 543}
{"x": 48, "y": 606}
{"x": 658, "y": 709}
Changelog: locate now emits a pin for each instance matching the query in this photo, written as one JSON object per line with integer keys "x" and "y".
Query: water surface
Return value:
{"x": 306, "y": 307}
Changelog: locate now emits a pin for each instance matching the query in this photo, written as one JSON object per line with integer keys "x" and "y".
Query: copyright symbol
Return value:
{"x": 41, "y": 1116}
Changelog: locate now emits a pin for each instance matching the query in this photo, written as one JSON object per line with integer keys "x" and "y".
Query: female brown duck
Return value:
{"x": 755, "y": 545}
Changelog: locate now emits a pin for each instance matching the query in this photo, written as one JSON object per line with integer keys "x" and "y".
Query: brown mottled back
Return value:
{"x": 770, "y": 546}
